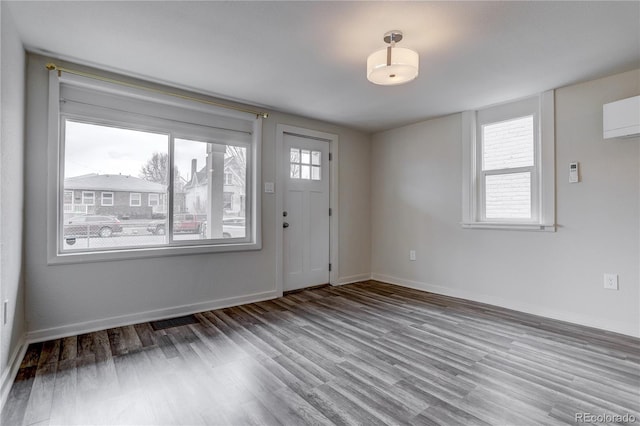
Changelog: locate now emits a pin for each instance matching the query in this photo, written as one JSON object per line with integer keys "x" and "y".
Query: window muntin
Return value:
{"x": 107, "y": 199}
{"x": 305, "y": 164}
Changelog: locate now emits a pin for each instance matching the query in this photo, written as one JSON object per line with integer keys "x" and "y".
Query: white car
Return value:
{"x": 234, "y": 227}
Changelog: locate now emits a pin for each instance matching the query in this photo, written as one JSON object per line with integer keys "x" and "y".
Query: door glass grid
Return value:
{"x": 305, "y": 164}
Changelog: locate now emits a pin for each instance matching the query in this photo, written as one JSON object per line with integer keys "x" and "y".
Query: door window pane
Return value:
{"x": 315, "y": 172}
{"x": 315, "y": 157}
{"x": 305, "y": 173}
{"x": 295, "y": 155}
{"x": 305, "y": 156}
{"x": 295, "y": 171}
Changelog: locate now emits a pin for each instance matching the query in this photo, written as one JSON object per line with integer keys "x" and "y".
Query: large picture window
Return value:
{"x": 508, "y": 165}
{"x": 161, "y": 168}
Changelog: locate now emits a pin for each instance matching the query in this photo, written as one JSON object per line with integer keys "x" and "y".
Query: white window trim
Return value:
{"x": 156, "y": 197}
{"x": 102, "y": 199}
{"x": 70, "y": 191}
{"x": 229, "y": 180}
{"x": 93, "y": 197}
{"x": 544, "y": 202}
{"x": 139, "y": 204}
{"x": 199, "y": 112}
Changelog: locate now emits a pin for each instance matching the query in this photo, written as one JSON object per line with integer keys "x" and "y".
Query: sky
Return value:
{"x": 91, "y": 148}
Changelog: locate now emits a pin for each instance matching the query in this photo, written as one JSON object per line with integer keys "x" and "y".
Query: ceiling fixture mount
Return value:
{"x": 393, "y": 65}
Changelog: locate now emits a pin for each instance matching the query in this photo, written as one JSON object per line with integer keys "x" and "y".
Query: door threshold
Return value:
{"x": 298, "y": 290}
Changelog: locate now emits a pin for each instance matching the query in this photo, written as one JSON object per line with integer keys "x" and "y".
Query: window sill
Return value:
{"x": 148, "y": 252}
{"x": 509, "y": 226}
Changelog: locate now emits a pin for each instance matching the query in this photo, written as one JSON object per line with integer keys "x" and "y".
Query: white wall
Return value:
{"x": 65, "y": 299}
{"x": 416, "y": 204}
{"x": 12, "y": 76}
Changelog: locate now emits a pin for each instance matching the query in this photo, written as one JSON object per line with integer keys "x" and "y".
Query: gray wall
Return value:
{"x": 11, "y": 186}
{"x": 416, "y": 204}
{"x": 66, "y": 298}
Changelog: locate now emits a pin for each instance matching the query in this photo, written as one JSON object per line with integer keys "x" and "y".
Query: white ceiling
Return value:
{"x": 309, "y": 57}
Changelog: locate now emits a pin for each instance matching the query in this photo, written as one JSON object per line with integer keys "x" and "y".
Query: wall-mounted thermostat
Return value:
{"x": 574, "y": 175}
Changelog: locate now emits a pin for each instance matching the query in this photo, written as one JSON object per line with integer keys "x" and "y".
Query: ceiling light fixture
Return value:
{"x": 393, "y": 65}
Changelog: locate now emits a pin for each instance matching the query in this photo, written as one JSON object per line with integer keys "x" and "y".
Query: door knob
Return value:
{"x": 285, "y": 225}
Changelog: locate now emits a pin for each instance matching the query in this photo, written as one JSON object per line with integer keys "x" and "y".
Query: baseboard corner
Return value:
{"x": 9, "y": 375}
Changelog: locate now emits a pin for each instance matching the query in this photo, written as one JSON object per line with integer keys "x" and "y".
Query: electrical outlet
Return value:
{"x": 412, "y": 255}
{"x": 611, "y": 281}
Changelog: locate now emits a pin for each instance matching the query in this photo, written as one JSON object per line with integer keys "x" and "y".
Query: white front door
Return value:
{"x": 306, "y": 212}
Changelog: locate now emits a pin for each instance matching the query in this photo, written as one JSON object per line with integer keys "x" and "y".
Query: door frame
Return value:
{"x": 333, "y": 140}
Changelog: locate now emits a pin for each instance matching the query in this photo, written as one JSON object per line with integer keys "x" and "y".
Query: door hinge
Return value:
{"x": 330, "y": 156}
{"x": 330, "y": 211}
{"x": 329, "y": 267}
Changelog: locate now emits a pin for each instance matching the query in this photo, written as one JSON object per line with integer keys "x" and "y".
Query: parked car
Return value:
{"x": 234, "y": 227}
{"x": 92, "y": 225}
{"x": 182, "y": 223}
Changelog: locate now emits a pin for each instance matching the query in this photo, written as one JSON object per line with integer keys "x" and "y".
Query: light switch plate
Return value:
{"x": 269, "y": 187}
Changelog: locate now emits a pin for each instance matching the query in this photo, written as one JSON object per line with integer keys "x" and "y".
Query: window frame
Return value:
{"x": 542, "y": 172}
{"x": 224, "y": 202}
{"x": 189, "y": 115}
{"x": 93, "y": 198}
{"x": 102, "y": 203}
{"x": 69, "y": 191}
{"x": 157, "y": 198}
{"x": 139, "y": 202}
{"x": 228, "y": 178}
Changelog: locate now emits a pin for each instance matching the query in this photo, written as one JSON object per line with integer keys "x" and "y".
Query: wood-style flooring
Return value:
{"x": 361, "y": 354}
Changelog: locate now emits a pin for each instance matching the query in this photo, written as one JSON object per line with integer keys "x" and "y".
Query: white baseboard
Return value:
{"x": 119, "y": 321}
{"x": 589, "y": 321}
{"x": 9, "y": 375}
{"x": 352, "y": 279}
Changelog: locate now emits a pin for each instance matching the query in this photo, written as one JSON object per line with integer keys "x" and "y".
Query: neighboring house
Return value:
{"x": 125, "y": 197}
{"x": 234, "y": 188}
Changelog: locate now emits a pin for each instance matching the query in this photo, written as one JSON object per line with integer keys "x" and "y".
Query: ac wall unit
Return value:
{"x": 621, "y": 119}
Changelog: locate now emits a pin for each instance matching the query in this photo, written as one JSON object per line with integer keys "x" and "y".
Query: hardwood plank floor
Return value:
{"x": 361, "y": 354}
